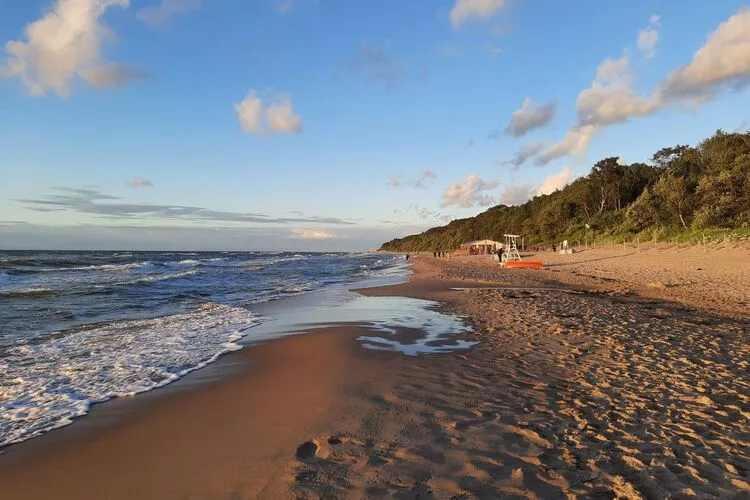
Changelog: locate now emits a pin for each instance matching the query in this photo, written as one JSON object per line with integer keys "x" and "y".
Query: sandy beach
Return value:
{"x": 603, "y": 376}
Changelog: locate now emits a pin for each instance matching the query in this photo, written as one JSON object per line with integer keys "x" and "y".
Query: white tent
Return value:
{"x": 482, "y": 246}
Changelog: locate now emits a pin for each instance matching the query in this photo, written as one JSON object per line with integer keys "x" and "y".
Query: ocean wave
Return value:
{"x": 45, "y": 386}
{"x": 150, "y": 278}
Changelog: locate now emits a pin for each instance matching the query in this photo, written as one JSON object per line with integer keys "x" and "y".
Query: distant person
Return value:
{"x": 407, "y": 257}
{"x": 434, "y": 255}
{"x": 554, "y": 248}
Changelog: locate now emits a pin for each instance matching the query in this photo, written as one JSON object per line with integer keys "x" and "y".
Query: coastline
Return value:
{"x": 567, "y": 393}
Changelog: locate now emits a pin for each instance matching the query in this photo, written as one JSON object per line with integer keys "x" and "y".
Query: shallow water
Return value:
{"x": 411, "y": 326}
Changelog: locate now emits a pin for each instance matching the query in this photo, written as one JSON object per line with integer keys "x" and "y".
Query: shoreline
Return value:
{"x": 566, "y": 394}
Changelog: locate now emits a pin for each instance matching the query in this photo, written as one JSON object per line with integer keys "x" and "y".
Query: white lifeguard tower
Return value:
{"x": 510, "y": 252}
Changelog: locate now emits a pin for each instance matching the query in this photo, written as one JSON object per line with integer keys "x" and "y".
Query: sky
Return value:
{"x": 337, "y": 125}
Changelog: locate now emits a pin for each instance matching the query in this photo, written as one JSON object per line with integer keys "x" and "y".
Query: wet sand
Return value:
{"x": 575, "y": 389}
{"x": 230, "y": 438}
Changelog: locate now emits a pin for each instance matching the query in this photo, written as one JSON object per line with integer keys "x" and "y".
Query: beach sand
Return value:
{"x": 586, "y": 381}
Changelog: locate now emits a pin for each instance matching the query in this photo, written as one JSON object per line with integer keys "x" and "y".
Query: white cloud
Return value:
{"x": 469, "y": 192}
{"x": 138, "y": 182}
{"x": 394, "y": 181}
{"x": 159, "y": 15}
{"x": 64, "y": 43}
{"x": 529, "y": 116}
{"x": 279, "y": 115}
{"x": 516, "y": 194}
{"x": 612, "y": 70}
{"x": 463, "y": 10}
{"x": 314, "y": 234}
{"x": 723, "y": 60}
{"x": 611, "y": 98}
{"x": 575, "y": 143}
{"x": 555, "y": 182}
{"x": 281, "y": 118}
{"x": 649, "y": 37}
{"x": 250, "y": 113}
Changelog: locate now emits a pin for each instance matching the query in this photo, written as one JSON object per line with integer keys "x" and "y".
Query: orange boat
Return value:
{"x": 533, "y": 264}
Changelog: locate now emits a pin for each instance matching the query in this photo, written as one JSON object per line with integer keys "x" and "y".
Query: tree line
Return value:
{"x": 682, "y": 189}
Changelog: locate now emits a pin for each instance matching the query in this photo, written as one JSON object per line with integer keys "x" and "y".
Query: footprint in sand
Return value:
{"x": 307, "y": 450}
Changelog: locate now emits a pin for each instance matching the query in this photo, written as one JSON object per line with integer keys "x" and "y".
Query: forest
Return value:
{"x": 682, "y": 193}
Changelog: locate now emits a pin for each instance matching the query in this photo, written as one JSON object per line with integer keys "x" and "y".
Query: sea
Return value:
{"x": 79, "y": 328}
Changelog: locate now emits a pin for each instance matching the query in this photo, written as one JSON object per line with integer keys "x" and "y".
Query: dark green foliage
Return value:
{"x": 685, "y": 188}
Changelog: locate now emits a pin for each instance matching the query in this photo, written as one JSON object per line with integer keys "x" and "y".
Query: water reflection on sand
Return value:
{"x": 411, "y": 326}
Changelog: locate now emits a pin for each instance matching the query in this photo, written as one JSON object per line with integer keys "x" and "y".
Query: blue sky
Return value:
{"x": 322, "y": 124}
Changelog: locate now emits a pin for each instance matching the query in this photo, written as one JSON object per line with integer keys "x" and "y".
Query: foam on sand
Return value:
{"x": 45, "y": 385}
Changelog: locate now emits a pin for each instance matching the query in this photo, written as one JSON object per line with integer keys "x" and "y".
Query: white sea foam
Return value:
{"x": 151, "y": 278}
{"x": 44, "y": 386}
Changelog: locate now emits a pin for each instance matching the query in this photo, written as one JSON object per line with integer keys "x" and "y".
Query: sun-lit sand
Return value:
{"x": 603, "y": 376}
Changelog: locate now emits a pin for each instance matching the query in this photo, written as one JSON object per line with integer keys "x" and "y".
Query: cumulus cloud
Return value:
{"x": 95, "y": 203}
{"x": 64, "y": 43}
{"x": 555, "y": 182}
{"x": 138, "y": 182}
{"x": 464, "y": 10}
{"x": 159, "y": 15}
{"x": 611, "y": 98}
{"x": 469, "y": 192}
{"x": 250, "y": 113}
{"x": 281, "y": 118}
{"x": 649, "y": 37}
{"x": 529, "y": 116}
{"x": 516, "y": 194}
{"x": 279, "y": 115}
{"x": 723, "y": 61}
{"x": 376, "y": 66}
{"x": 314, "y": 234}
